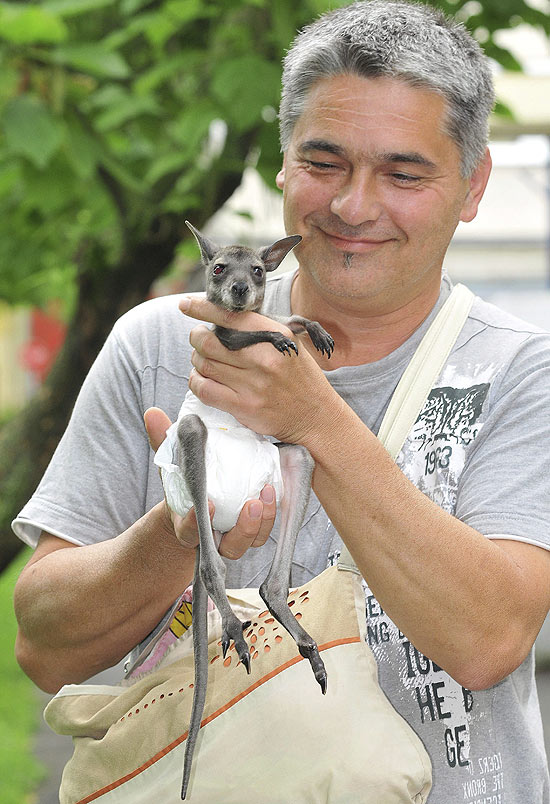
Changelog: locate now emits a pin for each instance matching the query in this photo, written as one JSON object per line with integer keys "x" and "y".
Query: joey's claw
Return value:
{"x": 284, "y": 345}
{"x": 233, "y": 630}
{"x": 323, "y": 682}
{"x": 290, "y": 345}
{"x": 327, "y": 346}
{"x": 245, "y": 659}
{"x": 320, "y": 338}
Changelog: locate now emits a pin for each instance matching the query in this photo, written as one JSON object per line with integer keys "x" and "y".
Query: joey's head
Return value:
{"x": 235, "y": 275}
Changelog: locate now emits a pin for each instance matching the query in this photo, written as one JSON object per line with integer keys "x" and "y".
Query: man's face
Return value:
{"x": 372, "y": 183}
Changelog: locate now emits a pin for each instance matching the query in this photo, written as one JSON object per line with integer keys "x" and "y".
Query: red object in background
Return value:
{"x": 47, "y": 336}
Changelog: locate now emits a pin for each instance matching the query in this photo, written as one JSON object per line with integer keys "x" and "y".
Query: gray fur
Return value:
{"x": 411, "y": 42}
{"x": 239, "y": 287}
{"x": 235, "y": 279}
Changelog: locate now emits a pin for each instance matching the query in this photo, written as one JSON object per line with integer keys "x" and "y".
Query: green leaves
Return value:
{"x": 72, "y": 8}
{"x": 24, "y": 25}
{"x": 31, "y": 130}
{"x": 124, "y": 106}
{"x": 115, "y": 113}
{"x": 94, "y": 59}
{"x": 81, "y": 148}
{"x": 244, "y": 86}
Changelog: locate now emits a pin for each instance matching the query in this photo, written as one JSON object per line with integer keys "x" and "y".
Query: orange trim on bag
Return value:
{"x": 220, "y": 711}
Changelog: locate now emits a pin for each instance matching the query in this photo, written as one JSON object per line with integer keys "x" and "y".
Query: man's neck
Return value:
{"x": 364, "y": 330}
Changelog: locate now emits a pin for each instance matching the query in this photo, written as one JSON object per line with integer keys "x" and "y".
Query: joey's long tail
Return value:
{"x": 200, "y": 650}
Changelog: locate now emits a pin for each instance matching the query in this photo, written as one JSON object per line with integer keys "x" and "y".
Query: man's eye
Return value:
{"x": 405, "y": 178}
{"x": 320, "y": 165}
{"x": 219, "y": 268}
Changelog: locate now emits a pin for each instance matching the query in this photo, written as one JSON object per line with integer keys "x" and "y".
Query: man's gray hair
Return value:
{"x": 407, "y": 41}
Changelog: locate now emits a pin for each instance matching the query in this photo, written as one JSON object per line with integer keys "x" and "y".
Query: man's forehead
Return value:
{"x": 353, "y": 90}
{"x": 370, "y": 119}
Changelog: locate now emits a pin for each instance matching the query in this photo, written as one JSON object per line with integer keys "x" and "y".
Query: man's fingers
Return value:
{"x": 156, "y": 424}
{"x": 267, "y": 496}
{"x": 185, "y": 527}
{"x": 197, "y": 306}
{"x": 253, "y": 528}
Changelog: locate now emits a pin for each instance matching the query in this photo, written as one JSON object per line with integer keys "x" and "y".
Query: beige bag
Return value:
{"x": 269, "y": 737}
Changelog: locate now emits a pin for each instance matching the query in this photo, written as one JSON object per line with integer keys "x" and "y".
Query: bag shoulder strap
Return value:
{"x": 418, "y": 379}
{"x": 424, "y": 369}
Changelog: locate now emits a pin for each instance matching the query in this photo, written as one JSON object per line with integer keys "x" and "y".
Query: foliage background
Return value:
{"x": 107, "y": 123}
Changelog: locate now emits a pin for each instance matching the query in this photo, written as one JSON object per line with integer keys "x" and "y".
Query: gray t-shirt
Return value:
{"x": 479, "y": 449}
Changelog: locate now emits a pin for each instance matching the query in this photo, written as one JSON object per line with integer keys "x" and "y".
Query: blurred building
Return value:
{"x": 29, "y": 342}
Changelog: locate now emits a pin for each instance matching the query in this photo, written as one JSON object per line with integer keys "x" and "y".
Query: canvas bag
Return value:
{"x": 270, "y": 736}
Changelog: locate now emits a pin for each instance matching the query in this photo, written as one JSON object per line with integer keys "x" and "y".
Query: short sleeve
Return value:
{"x": 94, "y": 486}
{"x": 504, "y": 489}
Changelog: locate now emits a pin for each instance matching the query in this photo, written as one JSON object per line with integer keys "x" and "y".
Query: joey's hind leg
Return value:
{"x": 192, "y": 435}
{"x": 296, "y": 468}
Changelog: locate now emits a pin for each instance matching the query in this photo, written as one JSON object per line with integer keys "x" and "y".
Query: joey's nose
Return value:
{"x": 239, "y": 289}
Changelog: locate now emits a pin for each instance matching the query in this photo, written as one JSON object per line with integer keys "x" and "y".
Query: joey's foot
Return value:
{"x": 310, "y": 651}
{"x": 233, "y": 630}
{"x": 320, "y": 338}
{"x": 284, "y": 344}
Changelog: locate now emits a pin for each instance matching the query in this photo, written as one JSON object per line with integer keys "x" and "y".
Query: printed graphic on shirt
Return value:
{"x": 434, "y": 455}
{"x": 449, "y": 417}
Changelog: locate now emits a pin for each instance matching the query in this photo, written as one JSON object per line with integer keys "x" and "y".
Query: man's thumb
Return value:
{"x": 156, "y": 424}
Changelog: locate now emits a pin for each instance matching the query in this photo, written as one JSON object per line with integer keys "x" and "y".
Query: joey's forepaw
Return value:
{"x": 284, "y": 344}
{"x": 320, "y": 338}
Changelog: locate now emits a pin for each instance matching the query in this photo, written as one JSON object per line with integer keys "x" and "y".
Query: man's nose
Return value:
{"x": 357, "y": 200}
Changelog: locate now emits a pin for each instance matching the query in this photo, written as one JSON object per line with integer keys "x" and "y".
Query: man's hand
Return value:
{"x": 269, "y": 392}
{"x": 256, "y": 518}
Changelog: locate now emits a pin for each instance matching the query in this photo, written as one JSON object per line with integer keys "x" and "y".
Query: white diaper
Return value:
{"x": 239, "y": 463}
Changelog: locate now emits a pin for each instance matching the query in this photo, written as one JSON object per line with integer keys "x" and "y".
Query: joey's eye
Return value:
{"x": 258, "y": 271}
{"x": 219, "y": 268}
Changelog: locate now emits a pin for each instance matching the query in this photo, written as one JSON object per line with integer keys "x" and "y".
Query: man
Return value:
{"x": 384, "y": 126}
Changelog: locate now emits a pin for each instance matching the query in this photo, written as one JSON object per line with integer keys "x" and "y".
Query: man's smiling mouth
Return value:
{"x": 355, "y": 245}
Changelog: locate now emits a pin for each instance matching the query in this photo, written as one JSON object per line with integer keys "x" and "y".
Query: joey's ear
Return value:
{"x": 274, "y": 255}
{"x": 208, "y": 247}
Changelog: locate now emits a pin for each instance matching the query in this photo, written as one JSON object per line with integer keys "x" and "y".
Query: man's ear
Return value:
{"x": 477, "y": 184}
{"x": 280, "y": 178}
